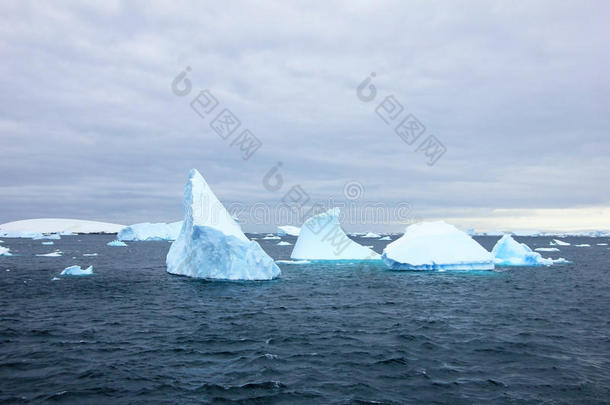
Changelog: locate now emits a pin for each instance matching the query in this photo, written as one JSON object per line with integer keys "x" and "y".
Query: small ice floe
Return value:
{"x": 292, "y": 261}
{"x": 284, "y": 243}
{"x": 55, "y": 279}
{"x": 57, "y": 253}
{"x": 385, "y": 238}
{"x": 116, "y": 243}
{"x": 77, "y": 271}
{"x": 559, "y": 243}
{"x": 560, "y": 260}
{"x": 598, "y": 244}
{"x": 4, "y": 251}
{"x": 48, "y": 243}
{"x": 89, "y": 254}
{"x": 547, "y": 249}
{"x": 371, "y": 235}
{"x": 271, "y": 237}
{"x": 583, "y": 245}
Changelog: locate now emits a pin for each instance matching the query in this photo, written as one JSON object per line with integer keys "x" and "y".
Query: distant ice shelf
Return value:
{"x": 57, "y": 225}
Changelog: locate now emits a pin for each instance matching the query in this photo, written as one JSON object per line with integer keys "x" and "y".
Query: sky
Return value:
{"x": 93, "y": 124}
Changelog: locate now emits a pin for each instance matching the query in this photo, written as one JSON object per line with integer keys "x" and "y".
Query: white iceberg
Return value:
{"x": 284, "y": 243}
{"x": 583, "y": 245}
{"x": 371, "y": 235}
{"x": 271, "y": 237}
{"x": 52, "y": 254}
{"x": 4, "y": 251}
{"x": 54, "y": 236}
{"x": 288, "y": 230}
{"x": 48, "y": 243}
{"x": 543, "y": 249}
{"x": 509, "y": 252}
{"x": 322, "y": 238}
{"x": 211, "y": 244}
{"x": 20, "y": 234}
{"x": 147, "y": 231}
{"x": 58, "y": 225}
{"x": 293, "y": 261}
{"x": 436, "y": 246}
{"x": 116, "y": 243}
{"x": 89, "y": 254}
{"x": 598, "y": 244}
{"x": 385, "y": 238}
{"x": 77, "y": 271}
{"x": 559, "y": 243}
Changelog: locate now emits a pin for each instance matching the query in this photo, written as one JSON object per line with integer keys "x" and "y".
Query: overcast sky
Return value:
{"x": 518, "y": 94}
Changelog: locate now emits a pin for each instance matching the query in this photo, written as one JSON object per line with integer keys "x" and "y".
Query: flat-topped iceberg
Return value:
{"x": 150, "y": 231}
{"x": 322, "y": 238}
{"x": 64, "y": 226}
{"x": 509, "y": 252}
{"x": 288, "y": 230}
{"x": 436, "y": 246}
{"x": 77, "y": 271}
{"x": 211, "y": 244}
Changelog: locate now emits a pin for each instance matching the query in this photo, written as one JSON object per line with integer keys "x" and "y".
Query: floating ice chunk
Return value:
{"x": 89, "y": 254}
{"x": 48, "y": 243}
{"x": 322, "y": 238}
{"x": 116, "y": 243}
{"x": 385, "y": 238}
{"x": 77, "y": 271}
{"x": 20, "y": 234}
{"x": 288, "y": 230}
{"x": 52, "y": 254}
{"x": 4, "y": 251}
{"x": 54, "y": 236}
{"x": 599, "y": 244}
{"x": 271, "y": 237}
{"x": 543, "y": 249}
{"x": 560, "y": 260}
{"x": 55, "y": 279}
{"x": 211, "y": 244}
{"x": 509, "y": 252}
{"x": 436, "y": 246}
{"x": 284, "y": 243}
{"x": 371, "y": 235}
{"x": 293, "y": 261}
{"x": 583, "y": 245}
{"x": 147, "y": 231}
{"x": 559, "y": 243}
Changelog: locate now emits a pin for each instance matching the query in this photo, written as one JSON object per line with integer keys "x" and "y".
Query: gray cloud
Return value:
{"x": 519, "y": 95}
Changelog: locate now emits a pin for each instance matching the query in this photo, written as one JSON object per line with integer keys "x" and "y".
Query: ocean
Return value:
{"x": 322, "y": 333}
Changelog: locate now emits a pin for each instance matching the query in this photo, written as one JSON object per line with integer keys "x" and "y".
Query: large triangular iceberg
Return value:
{"x": 436, "y": 246}
{"x": 321, "y": 238}
{"x": 211, "y": 244}
{"x": 509, "y": 252}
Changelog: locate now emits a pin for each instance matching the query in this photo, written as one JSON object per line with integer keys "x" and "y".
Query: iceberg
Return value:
{"x": 542, "y": 249}
{"x": 59, "y": 225}
{"x": 271, "y": 237}
{"x": 288, "y": 230}
{"x": 77, "y": 271}
{"x": 116, "y": 243}
{"x": 598, "y": 244}
{"x": 20, "y": 234}
{"x": 509, "y": 252}
{"x": 322, "y": 238}
{"x": 4, "y": 251}
{"x": 436, "y": 246}
{"x": 54, "y": 236}
{"x": 385, "y": 238}
{"x": 89, "y": 254}
{"x": 211, "y": 245}
{"x": 293, "y": 261}
{"x": 559, "y": 243}
{"x": 284, "y": 243}
{"x": 583, "y": 245}
{"x": 48, "y": 243}
{"x": 147, "y": 231}
{"x": 371, "y": 235}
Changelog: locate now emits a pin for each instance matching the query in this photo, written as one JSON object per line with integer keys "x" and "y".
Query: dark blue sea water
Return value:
{"x": 340, "y": 333}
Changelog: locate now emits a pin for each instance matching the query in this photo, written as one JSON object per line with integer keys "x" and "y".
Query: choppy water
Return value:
{"x": 321, "y": 334}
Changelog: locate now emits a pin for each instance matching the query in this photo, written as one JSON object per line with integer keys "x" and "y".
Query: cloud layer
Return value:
{"x": 518, "y": 94}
